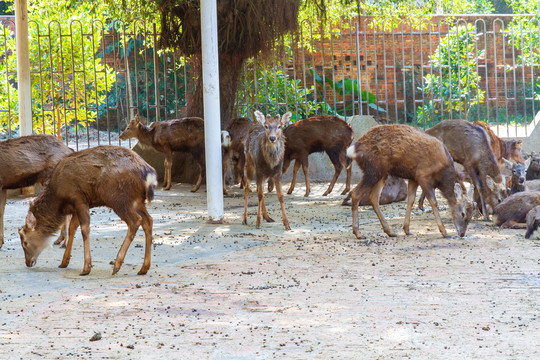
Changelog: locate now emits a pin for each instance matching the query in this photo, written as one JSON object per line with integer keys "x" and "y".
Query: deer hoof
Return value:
{"x": 63, "y": 266}
{"x": 115, "y": 271}
{"x": 307, "y": 194}
{"x": 84, "y": 272}
{"x": 142, "y": 272}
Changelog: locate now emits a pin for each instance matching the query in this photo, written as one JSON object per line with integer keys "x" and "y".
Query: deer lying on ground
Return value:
{"x": 512, "y": 212}
{"x": 406, "y": 152}
{"x": 468, "y": 145}
{"x": 533, "y": 221}
{"x": 264, "y": 149}
{"x": 238, "y": 129}
{"x": 394, "y": 190}
{"x": 25, "y": 161}
{"x": 186, "y": 134}
{"x": 110, "y": 176}
{"x": 316, "y": 134}
{"x": 502, "y": 149}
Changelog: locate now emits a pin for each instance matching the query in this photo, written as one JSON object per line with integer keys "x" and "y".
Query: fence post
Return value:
{"x": 212, "y": 117}
{"x": 23, "y": 68}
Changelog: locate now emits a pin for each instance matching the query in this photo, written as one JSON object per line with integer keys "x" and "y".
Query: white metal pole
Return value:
{"x": 23, "y": 67}
{"x": 212, "y": 118}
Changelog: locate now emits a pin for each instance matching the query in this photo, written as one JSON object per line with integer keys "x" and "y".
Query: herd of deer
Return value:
{"x": 118, "y": 178}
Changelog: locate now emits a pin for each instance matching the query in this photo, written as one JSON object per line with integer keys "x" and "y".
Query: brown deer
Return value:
{"x": 502, "y": 149}
{"x": 406, "y": 152}
{"x": 27, "y": 160}
{"x": 316, "y": 134}
{"x": 264, "y": 149}
{"x": 468, "y": 145}
{"x": 186, "y": 134}
{"x": 512, "y": 212}
{"x": 110, "y": 176}
{"x": 238, "y": 129}
{"x": 533, "y": 221}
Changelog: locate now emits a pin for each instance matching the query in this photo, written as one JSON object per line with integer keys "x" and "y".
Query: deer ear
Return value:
{"x": 508, "y": 164}
{"x": 260, "y": 117}
{"x": 286, "y": 118}
{"x": 527, "y": 162}
{"x": 31, "y": 220}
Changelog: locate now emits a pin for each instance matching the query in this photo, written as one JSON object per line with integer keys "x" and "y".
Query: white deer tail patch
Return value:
{"x": 225, "y": 138}
{"x": 151, "y": 180}
{"x": 351, "y": 153}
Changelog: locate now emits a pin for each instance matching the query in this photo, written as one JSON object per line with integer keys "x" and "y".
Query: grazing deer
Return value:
{"x": 186, "y": 134}
{"x": 469, "y": 145}
{"x": 406, "y": 152}
{"x": 27, "y": 160}
{"x": 264, "y": 149}
{"x": 110, "y": 176}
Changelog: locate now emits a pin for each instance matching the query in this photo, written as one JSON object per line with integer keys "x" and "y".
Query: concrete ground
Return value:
{"x": 236, "y": 292}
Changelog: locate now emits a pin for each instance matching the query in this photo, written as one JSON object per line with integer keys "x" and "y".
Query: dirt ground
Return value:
{"x": 236, "y": 292}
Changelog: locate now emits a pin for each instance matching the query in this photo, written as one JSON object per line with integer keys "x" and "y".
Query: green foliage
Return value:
{"x": 68, "y": 81}
{"x": 454, "y": 85}
{"x": 142, "y": 68}
{"x": 274, "y": 92}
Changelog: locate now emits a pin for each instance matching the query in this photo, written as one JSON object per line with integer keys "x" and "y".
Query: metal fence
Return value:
{"x": 89, "y": 79}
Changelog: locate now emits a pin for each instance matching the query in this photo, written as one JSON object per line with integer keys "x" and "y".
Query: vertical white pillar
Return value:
{"x": 212, "y": 117}
{"x": 23, "y": 67}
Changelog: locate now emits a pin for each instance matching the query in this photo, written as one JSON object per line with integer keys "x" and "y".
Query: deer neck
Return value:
{"x": 273, "y": 152}
{"x": 146, "y": 135}
{"x": 49, "y": 216}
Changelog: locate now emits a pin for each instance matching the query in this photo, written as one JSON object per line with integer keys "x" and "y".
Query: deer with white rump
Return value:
{"x": 264, "y": 150}
{"x": 110, "y": 176}
{"x": 406, "y": 152}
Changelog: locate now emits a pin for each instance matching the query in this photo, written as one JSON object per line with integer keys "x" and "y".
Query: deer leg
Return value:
{"x": 421, "y": 200}
{"x": 72, "y": 228}
{"x": 167, "y": 166}
{"x": 346, "y": 200}
{"x": 84, "y": 220}
{"x": 512, "y": 224}
{"x": 337, "y": 170}
{"x": 248, "y": 174}
{"x": 480, "y": 188}
{"x": 430, "y": 195}
{"x": 262, "y": 203}
{"x": 64, "y": 233}
{"x": 374, "y": 197}
{"x": 295, "y": 172}
{"x": 305, "y": 169}
{"x": 147, "y": 223}
{"x": 357, "y": 194}
{"x": 202, "y": 175}
{"x": 133, "y": 221}
{"x": 279, "y": 193}
{"x": 3, "y": 199}
{"x": 411, "y": 196}
{"x": 348, "y": 166}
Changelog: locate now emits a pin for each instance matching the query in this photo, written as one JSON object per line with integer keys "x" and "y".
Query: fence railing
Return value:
{"x": 89, "y": 79}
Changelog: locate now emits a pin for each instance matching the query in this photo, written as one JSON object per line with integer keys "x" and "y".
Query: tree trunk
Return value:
{"x": 230, "y": 67}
